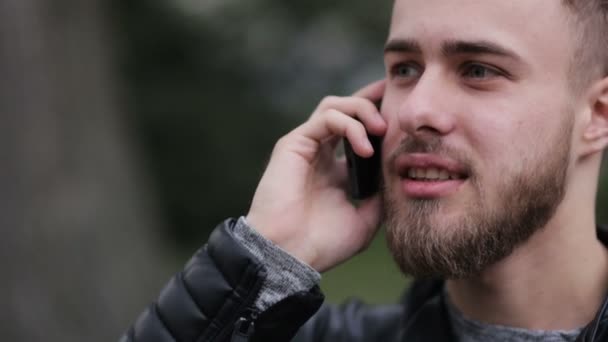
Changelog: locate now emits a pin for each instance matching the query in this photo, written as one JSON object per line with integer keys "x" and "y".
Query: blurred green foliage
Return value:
{"x": 204, "y": 127}
{"x": 371, "y": 275}
{"x": 211, "y": 85}
{"x": 211, "y": 90}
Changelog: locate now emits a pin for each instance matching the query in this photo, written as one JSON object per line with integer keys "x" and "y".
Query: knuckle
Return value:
{"x": 331, "y": 114}
{"x": 281, "y": 142}
{"x": 332, "y": 118}
{"x": 328, "y": 101}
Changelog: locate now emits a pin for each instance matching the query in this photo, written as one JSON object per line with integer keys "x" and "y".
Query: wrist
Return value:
{"x": 286, "y": 275}
{"x": 285, "y": 239}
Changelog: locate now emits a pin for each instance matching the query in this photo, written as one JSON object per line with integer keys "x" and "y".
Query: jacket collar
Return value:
{"x": 597, "y": 330}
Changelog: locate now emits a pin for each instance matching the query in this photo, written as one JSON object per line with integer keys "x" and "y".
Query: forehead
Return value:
{"x": 536, "y": 29}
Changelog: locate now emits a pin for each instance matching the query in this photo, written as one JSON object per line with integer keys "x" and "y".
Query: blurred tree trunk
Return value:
{"x": 78, "y": 256}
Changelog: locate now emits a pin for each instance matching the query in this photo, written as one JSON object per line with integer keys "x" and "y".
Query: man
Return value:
{"x": 494, "y": 117}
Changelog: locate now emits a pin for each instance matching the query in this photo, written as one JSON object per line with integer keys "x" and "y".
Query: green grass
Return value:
{"x": 371, "y": 276}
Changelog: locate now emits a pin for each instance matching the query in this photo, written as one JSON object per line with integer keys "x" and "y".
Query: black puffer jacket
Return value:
{"x": 212, "y": 300}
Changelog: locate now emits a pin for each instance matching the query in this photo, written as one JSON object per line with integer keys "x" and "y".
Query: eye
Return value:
{"x": 405, "y": 70}
{"x": 480, "y": 72}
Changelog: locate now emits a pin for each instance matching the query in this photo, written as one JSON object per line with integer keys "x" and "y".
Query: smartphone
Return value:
{"x": 363, "y": 173}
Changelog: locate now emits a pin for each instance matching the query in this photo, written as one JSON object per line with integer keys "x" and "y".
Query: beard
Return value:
{"x": 484, "y": 233}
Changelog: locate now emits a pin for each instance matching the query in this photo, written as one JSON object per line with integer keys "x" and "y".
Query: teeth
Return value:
{"x": 431, "y": 174}
{"x": 420, "y": 173}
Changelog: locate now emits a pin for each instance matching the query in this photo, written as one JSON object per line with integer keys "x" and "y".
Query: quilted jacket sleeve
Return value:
{"x": 212, "y": 300}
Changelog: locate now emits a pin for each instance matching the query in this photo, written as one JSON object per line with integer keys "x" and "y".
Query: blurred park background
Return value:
{"x": 131, "y": 128}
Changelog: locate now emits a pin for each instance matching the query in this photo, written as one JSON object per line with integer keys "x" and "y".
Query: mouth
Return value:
{"x": 428, "y": 176}
{"x": 431, "y": 174}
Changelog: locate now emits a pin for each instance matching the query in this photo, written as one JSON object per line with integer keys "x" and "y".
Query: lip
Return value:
{"x": 430, "y": 189}
{"x": 426, "y": 161}
{"x": 425, "y": 189}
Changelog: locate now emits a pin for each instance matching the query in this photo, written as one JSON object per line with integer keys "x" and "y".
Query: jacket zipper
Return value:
{"x": 244, "y": 328}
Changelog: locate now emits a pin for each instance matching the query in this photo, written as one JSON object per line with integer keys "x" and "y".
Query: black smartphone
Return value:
{"x": 363, "y": 173}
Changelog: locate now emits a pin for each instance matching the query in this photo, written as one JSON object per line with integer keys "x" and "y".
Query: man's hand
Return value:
{"x": 301, "y": 203}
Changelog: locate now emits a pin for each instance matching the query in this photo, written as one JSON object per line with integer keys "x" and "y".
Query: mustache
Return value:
{"x": 421, "y": 144}
{"x": 431, "y": 144}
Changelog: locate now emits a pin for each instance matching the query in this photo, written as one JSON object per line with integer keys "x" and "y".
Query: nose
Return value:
{"x": 429, "y": 107}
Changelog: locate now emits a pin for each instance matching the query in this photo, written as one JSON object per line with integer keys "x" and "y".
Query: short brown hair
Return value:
{"x": 590, "y": 60}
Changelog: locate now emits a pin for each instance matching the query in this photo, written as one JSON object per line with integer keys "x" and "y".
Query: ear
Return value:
{"x": 595, "y": 133}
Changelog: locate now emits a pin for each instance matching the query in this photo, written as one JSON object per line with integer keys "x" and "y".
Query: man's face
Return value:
{"x": 480, "y": 120}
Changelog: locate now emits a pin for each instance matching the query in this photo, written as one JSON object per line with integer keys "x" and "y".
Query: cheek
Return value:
{"x": 514, "y": 138}
{"x": 492, "y": 141}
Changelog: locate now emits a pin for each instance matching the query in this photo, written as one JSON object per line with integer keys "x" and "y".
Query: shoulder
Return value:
{"x": 353, "y": 320}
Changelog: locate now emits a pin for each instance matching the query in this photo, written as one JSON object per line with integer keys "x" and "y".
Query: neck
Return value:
{"x": 562, "y": 269}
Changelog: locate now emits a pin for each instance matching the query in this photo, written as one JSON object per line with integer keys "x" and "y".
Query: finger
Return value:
{"x": 359, "y": 107}
{"x": 341, "y": 173}
{"x": 373, "y": 91}
{"x": 353, "y": 130}
{"x": 335, "y": 123}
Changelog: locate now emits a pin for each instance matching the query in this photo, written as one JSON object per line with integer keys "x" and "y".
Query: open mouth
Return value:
{"x": 431, "y": 174}
{"x": 428, "y": 176}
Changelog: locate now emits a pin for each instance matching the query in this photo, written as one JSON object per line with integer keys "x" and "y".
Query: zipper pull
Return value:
{"x": 243, "y": 330}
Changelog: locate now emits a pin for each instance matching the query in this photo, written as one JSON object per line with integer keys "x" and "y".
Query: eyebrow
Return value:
{"x": 403, "y": 46}
{"x": 452, "y": 48}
